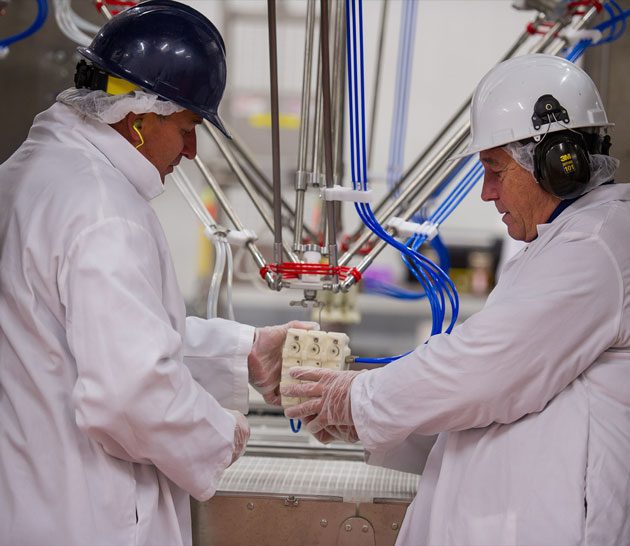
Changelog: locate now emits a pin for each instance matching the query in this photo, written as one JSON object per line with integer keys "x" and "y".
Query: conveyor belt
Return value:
{"x": 352, "y": 480}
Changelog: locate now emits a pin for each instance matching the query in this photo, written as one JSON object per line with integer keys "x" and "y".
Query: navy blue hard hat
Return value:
{"x": 169, "y": 49}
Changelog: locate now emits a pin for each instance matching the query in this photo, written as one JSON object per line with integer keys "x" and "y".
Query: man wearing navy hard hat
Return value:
{"x": 105, "y": 433}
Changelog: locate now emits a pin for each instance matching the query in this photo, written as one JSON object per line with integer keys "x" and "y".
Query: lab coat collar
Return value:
{"x": 602, "y": 194}
{"x": 119, "y": 152}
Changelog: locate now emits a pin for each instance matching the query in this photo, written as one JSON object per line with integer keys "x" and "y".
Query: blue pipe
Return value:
{"x": 42, "y": 13}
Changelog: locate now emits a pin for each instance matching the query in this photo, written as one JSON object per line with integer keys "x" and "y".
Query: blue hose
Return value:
{"x": 42, "y": 13}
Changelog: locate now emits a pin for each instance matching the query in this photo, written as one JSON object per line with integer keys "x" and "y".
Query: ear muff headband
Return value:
{"x": 561, "y": 164}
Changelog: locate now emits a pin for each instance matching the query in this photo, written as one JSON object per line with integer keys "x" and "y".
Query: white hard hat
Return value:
{"x": 530, "y": 96}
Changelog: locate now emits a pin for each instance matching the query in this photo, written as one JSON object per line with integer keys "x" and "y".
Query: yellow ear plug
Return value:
{"x": 136, "y": 124}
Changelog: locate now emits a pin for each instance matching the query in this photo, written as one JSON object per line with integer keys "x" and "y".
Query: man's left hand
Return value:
{"x": 265, "y": 359}
{"x": 328, "y": 413}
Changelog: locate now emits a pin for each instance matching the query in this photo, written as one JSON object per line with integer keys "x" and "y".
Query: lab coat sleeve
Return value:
{"x": 537, "y": 333}
{"x": 133, "y": 394}
{"x": 216, "y": 352}
{"x": 409, "y": 456}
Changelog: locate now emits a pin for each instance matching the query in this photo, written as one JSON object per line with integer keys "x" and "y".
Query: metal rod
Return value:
{"x": 231, "y": 214}
{"x": 377, "y": 80}
{"x": 229, "y": 156}
{"x": 328, "y": 159}
{"x": 317, "y": 128}
{"x": 104, "y": 10}
{"x": 301, "y": 181}
{"x": 339, "y": 94}
{"x": 306, "y": 87}
{"x": 275, "y": 132}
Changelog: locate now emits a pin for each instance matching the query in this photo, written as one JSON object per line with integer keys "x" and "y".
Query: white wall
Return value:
{"x": 457, "y": 41}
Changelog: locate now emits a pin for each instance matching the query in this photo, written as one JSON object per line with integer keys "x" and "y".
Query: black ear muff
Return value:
{"x": 561, "y": 164}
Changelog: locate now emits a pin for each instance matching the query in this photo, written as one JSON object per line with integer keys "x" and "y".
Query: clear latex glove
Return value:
{"x": 330, "y": 410}
{"x": 265, "y": 359}
{"x": 344, "y": 433}
{"x": 241, "y": 434}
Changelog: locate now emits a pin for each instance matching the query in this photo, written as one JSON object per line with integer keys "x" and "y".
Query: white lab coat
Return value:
{"x": 531, "y": 396}
{"x": 104, "y": 430}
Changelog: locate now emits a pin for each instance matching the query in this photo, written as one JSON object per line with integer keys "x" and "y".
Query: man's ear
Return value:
{"x": 129, "y": 126}
{"x": 134, "y": 126}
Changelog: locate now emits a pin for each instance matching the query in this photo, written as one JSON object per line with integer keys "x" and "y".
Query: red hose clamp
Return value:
{"x": 290, "y": 270}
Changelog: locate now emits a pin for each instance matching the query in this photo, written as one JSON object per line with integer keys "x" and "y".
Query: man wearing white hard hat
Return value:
{"x": 531, "y": 395}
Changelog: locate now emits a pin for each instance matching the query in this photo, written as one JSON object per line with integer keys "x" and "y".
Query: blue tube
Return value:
{"x": 295, "y": 427}
{"x": 435, "y": 283}
{"x": 42, "y": 13}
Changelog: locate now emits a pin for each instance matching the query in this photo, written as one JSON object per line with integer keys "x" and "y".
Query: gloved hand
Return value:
{"x": 329, "y": 415}
{"x": 345, "y": 433}
{"x": 265, "y": 359}
{"x": 241, "y": 434}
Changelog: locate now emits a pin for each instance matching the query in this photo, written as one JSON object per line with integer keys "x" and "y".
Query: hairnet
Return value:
{"x": 101, "y": 106}
{"x": 602, "y": 166}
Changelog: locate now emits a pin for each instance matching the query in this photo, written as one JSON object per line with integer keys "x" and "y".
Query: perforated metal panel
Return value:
{"x": 310, "y": 502}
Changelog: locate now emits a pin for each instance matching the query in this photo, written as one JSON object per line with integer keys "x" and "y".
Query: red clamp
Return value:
{"x": 578, "y": 7}
{"x": 290, "y": 270}
{"x": 120, "y": 3}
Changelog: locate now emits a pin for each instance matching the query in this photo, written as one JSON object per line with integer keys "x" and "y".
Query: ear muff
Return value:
{"x": 561, "y": 164}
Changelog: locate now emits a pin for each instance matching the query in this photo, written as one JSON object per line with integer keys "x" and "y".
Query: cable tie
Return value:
{"x": 573, "y": 36}
{"x": 405, "y": 228}
{"x": 341, "y": 193}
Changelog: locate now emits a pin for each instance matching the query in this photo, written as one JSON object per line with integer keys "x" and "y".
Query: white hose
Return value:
{"x": 70, "y": 23}
{"x": 230, "y": 276}
{"x": 215, "y": 284}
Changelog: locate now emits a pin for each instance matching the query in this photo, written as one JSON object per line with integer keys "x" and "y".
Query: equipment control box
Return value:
{"x": 312, "y": 348}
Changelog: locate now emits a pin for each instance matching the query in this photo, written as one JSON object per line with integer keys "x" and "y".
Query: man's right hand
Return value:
{"x": 241, "y": 434}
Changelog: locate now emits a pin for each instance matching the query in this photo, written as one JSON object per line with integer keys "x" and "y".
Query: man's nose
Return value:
{"x": 190, "y": 145}
{"x": 488, "y": 189}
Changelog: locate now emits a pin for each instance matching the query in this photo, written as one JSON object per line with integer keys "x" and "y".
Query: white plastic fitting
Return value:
{"x": 341, "y": 193}
{"x": 405, "y": 228}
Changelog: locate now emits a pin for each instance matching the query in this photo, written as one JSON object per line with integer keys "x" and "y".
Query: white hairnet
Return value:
{"x": 101, "y": 106}
{"x": 602, "y": 166}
